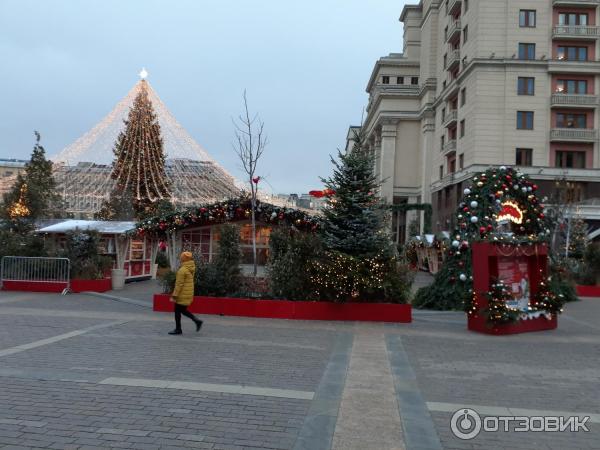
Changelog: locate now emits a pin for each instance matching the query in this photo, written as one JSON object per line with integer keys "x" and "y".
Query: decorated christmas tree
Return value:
{"x": 139, "y": 165}
{"x": 359, "y": 261}
{"x": 499, "y": 206}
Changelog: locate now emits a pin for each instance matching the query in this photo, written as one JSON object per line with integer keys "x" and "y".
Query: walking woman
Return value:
{"x": 183, "y": 295}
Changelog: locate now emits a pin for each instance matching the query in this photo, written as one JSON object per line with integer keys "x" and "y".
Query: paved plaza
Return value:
{"x": 85, "y": 371}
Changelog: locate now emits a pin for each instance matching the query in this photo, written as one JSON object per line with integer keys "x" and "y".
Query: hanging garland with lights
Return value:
{"x": 227, "y": 211}
{"x": 499, "y": 206}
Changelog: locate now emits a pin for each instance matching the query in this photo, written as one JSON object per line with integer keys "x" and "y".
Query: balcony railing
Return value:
{"x": 450, "y": 118}
{"x": 575, "y": 2}
{"x": 574, "y": 100}
{"x": 454, "y": 6}
{"x": 449, "y": 146}
{"x": 575, "y": 31}
{"x": 453, "y": 59}
{"x": 573, "y": 134}
{"x": 453, "y": 30}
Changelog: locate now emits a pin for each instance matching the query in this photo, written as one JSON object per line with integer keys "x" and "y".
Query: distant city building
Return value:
{"x": 9, "y": 170}
{"x": 483, "y": 83}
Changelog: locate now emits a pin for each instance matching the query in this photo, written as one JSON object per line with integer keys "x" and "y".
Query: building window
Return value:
{"x": 262, "y": 244}
{"x": 445, "y": 61}
{"x": 461, "y": 161}
{"x": 385, "y": 79}
{"x": 441, "y": 171}
{"x": 466, "y": 3}
{"x": 524, "y": 120}
{"x": 463, "y": 96}
{"x": 414, "y": 80}
{"x": 572, "y": 53}
{"x": 447, "y": 195}
{"x": 399, "y": 80}
{"x": 439, "y": 200}
{"x": 199, "y": 242}
{"x": 465, "y": 33}
{"x": 452, "y": 163}
{"x": 570, "y": 120}
{"x": 572, "y": 19}
{"x": 443, "y": 114}
{"x": 526, "y": 51}
{"x": 570, "y": 159}
{"x": 527, "y": 18}
{"x": 462, "y": 128}
{"x": 442, "y": 142}
{"x": 525, "y": 86}
{"x": 523, "y": 157}
{"x": 572, "y": 86}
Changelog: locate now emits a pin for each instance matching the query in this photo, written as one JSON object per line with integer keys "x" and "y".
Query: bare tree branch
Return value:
{"x": 250, "y": 143}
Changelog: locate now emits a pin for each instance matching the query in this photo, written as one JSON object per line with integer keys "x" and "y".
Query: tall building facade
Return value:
{"x": 487, "y": 82}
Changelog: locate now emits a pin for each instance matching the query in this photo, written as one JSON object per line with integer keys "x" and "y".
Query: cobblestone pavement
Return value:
{"x": 80, "y": 371}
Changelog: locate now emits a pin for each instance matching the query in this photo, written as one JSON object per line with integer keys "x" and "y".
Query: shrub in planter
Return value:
{"x": 221, "y": 276}
{"x": 291, "y": 263}
{"x": 162, "y": 260}
{"x": 16, "y": 244}
{"x": 589, "y": 273}
{"x": 168, "y": 282}
{"x": 82, "y": 250}
{"x": 341, "y": 277}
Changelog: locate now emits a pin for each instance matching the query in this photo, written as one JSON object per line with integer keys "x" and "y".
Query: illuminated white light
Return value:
{"x": 143, "y": 73}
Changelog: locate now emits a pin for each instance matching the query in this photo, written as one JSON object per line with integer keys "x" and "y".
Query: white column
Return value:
{"x": 387, "y": 160}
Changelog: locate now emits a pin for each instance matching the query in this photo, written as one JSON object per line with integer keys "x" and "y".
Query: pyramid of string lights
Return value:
{"x": 83, "y": 169}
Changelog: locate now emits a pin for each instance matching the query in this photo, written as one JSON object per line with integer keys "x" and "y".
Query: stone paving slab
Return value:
{"x": 53, "y": 413}
{"x": 18, "y": 330}
{"x": 191, "y": 360}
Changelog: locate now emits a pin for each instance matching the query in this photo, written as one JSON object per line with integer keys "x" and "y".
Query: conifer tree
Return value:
{"x": 34, "y": 194}
{"x": 354, "y": 221}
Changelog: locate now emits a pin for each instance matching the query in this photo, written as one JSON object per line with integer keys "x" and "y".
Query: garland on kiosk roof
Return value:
{"x": 227, "y": 211}
{"x": 500, "y": 205}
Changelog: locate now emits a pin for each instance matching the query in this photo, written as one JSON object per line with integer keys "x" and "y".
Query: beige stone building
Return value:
{"x": 487, "y": 82}
{"x": 9, "y": 170}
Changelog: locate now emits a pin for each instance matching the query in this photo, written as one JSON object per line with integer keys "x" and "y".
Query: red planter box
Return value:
{"x": 297, "y": 310}
{"x": 588, "y": 291}
{"x": 478, "y": 323}
{"x": 101, "y": 285}
{"x": 33, "y": 286}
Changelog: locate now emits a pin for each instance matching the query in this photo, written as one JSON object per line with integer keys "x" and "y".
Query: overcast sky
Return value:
{"x": 64, "y": 64}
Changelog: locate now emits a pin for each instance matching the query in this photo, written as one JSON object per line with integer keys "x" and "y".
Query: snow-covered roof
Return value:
{"x": 102, "y": 227}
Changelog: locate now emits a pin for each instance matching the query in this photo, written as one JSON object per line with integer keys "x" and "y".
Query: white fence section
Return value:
{"x": 36, "y": 270}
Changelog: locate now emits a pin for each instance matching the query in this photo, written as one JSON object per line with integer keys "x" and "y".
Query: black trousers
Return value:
{"x": 179, "y": 310}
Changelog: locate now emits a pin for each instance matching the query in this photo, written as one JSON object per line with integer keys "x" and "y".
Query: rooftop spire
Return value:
{"x": 143, "y": 74}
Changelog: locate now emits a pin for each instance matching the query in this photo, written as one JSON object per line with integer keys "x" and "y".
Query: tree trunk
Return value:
{"x": 253, "y": 203}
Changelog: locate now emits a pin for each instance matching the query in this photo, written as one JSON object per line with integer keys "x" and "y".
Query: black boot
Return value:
{"x": 198, "y": 325}
{"x": 175, "y": 332}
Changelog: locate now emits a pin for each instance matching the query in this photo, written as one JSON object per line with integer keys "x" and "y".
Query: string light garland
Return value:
{"x": 227, "y": 211}
{"x": 83, "y": 169}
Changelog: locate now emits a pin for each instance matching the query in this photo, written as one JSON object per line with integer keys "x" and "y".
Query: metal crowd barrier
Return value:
{"x": 36, "y": 270}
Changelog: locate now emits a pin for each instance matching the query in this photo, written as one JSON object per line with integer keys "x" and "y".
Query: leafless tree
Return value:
{"x": 249, "y": 145}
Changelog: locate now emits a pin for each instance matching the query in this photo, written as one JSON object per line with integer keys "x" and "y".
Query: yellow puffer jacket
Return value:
{"x": 184, "y": 284}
